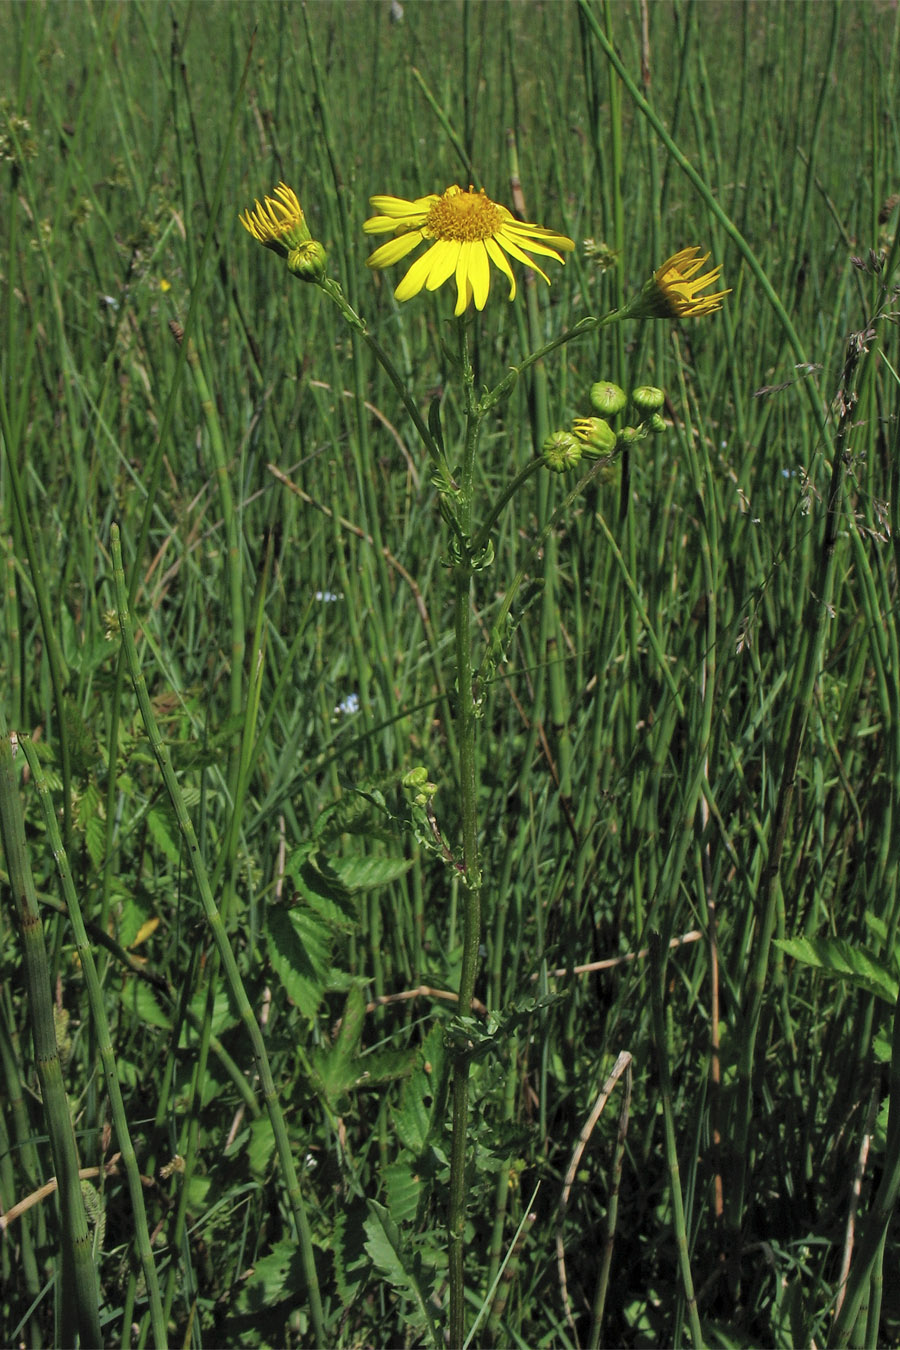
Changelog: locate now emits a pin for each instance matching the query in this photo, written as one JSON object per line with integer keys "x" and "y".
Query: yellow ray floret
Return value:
{"x": 467, "y": 232}
{"x": 279, "y": 223}
{"x": 673, "y": 290}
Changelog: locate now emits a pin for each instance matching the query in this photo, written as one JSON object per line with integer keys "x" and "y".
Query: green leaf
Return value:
{"x": 414, "y": 1117}
{"x": 473, "y": 1037}
{"x": 361, "y": 873}
{"x": 434, "y": 423}
{"x": 261, "y": 1149}
{"x": 299, "y": 946}
{"x": 338, "y": 1069}
{"x": 140, "y": 999}
{"x": 403, "y": 1189}
{"x": 275, "y": 1277}
{"x": 322, "y": 891}
{"x": 400, "y": 1269}
{"x": 834, "y": 956}
{"x": 351, "y": 1261}
{"x": 159, "y": 825}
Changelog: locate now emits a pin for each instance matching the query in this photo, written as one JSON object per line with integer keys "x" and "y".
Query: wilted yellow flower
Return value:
{"x": 469, "y": 232}
{"x": 279, "y": 224}
{"x": 671, "y": 293}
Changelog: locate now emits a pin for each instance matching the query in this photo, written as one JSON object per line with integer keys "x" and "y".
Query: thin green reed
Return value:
{"x": 662, "y": 1036}
{"x": 865, "y": 1279}
{"x": 12, "y": 426}
{"x": 78, "y": 1320}
{"x": 32, "y": 1226}
{"x": 104, "y": 1043}
{"x": 223, "y": 946}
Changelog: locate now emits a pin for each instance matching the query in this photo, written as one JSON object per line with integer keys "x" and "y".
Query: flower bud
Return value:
{"x": 656, "y": 423}
{"x": 417, "y": 787}
{"x": 561, "y": 451}
{"x": 607, "y": 398}
{"x": 597, "y": 436}
{"x": 279, "y": 223}
{"x": 308, "y": 262}
{"x": 629, "y": 435}
{"x": 646, "y": 398}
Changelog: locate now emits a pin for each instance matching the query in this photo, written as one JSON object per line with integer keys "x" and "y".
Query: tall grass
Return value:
{"x": 688, "y": 758}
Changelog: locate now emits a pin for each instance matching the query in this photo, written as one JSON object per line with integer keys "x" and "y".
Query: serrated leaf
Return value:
{"x": 325, "y": 894}
{"x": 352, "y": 1263}
{"x": 140, "y": 999}
{"x": 338, "y": 1069}
{"x": 385, "y": 1246}
{"x": 95, "y": 840}
{"x": 403, "y": 1189}
{"x": 299, "y": 946}
{"x": 362, "y": 873}
{"x": 261, "y": 1148}
{"x": 159, "y": 826}
{"x": 224, "y": 1016}
{"x": 834, "y": 956}
{"x": 414, "y": 1116}
{"x": 473, "y": 1038}
{"x": 276, "y": 1277}
{"x": 135, "y": 912}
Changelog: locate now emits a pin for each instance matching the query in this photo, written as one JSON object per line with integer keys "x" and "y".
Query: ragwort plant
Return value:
{"x": 465, "y": 233}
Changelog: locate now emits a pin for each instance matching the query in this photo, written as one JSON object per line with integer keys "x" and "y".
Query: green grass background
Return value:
{"x": 638, "y": 741}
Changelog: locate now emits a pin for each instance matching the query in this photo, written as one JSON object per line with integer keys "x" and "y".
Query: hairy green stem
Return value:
{"x": 468, "y": 786}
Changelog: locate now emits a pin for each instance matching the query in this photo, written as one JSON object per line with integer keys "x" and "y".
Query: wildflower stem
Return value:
{"x": 586, "y": 325}
{"x": 468, "y": 781}
{"x": 334, "y": 292}
{"x": 521, "y": 478}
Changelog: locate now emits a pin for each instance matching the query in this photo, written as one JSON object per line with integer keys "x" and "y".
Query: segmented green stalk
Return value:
{"x": 662, "y": 1036}
{"x": 223, "y": 946}
{"x": 104, "y": 1044}
{"x": 77, "y": 1294}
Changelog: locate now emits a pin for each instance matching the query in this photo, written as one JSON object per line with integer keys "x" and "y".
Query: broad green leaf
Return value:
{"x": 414, "y": 1116}
{"x": 400, "y": 1269}
{"x": 402, "y": 1188}
{"x": 323, "y": 892}
{"x": 276, "y": 1277}
{"x": 339, "y": 1068}
{"x": 368, "y": 874}
{"x": 834, "y": 956}
{"x": 140, "y": 999}
{"x": 299, "y": 946}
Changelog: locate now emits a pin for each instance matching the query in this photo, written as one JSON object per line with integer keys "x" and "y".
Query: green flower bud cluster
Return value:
{"x": 593, "y": 437}
{"x": 416, "y": 786}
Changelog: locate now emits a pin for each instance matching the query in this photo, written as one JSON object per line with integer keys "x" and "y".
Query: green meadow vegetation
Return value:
{"x": 267, "y": 1077}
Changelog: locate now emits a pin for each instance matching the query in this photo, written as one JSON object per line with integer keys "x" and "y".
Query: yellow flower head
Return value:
{"x": 672, "y": 291}
{"x": 280, "y": 223}
{"x": 468, "y": 232}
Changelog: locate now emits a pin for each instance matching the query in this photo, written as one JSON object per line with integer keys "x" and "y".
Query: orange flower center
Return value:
{"x": 463, "y": 216}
